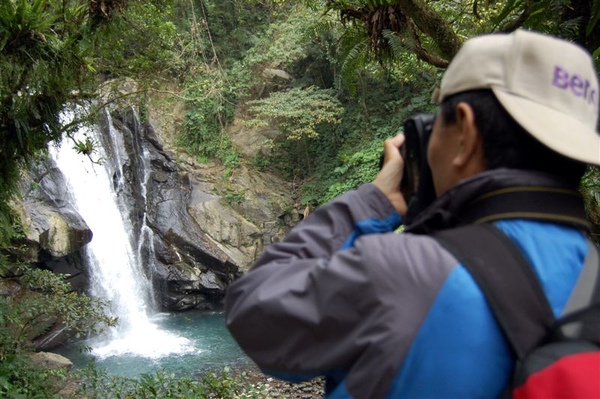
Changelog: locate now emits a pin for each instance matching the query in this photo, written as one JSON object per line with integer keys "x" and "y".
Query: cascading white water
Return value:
{"x": 113, "y": 258}
{"x": 145, "y": 245}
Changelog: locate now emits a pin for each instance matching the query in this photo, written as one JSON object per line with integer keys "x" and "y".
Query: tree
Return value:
{"x": 51, "y": 53}
{"x": 434, "y": 31}
{"x": 43, "y": 60}
{"x": 297, "y": 113}
{"x": 48, "y": 60}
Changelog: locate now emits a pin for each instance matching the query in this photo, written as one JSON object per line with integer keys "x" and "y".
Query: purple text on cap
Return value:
{"x": 579, "y": 86}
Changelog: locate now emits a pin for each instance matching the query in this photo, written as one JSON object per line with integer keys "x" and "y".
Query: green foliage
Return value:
{"x": 284, "y": 42}
{"x": 377, "y": 111}
{"x": 210, "y": 109}
{"x": 261, "y": 162}
{"x": 50, "y": 54}
{"x": 306, "y": 120}
{"x": 234, "y": 197}
{"x": 20, "y": 378}
{"x": 287, "y": 44}
{"x": 591, "y": 184}
{"x": 222, "y": 31}
{"x": 44, "y": 301}
{"x": 298, "y": 112}
{"x": 346, "y": 171}
{"x": 590, "y": 189}
{"x": 355, "y": 57}
{"x": 43, "y": 59}
{"x": 149, "y": 46}
{"x": 337, "y": 154}
{"x": 45, "y": 298}
{"x": 96, "y": 384}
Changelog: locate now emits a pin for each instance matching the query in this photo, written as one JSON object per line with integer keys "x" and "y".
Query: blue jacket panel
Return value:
{"x": 460, "y": 351}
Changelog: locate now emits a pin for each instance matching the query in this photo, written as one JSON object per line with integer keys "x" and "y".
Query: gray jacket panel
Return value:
{"x": 321, "y": 309}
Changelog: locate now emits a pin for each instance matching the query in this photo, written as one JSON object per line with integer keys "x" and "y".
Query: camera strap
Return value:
{"x": 558, "y": 205}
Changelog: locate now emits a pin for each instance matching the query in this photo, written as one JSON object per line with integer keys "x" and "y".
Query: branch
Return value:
{"x": 432, "y": 59}
{"x": 433, "y": 25}
{"x": 141, "y": 91}
{"x": 516, "y": 23}
{"x": 421, "y": 53}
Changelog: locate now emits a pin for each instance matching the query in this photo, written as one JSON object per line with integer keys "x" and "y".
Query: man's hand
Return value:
{"x": 389, "y": 177}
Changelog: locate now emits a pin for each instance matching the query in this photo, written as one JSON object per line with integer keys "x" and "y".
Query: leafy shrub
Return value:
{"x": 352, "y": 169}
{"x": 590, "y": 189}
{"x": 96, "y": 384}
{"x": 234, "y": 197}
{"x": 43, "y": 299}
{"x": 20, "y": 378}
{"x": 297, "y": 113}
{"x": 210, "y": 109}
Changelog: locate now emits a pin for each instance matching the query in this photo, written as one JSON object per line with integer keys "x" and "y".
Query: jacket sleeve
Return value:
{"x": 305, "y": 305}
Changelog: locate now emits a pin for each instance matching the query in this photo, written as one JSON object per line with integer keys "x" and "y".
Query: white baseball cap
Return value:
{"x": 548, "y": 85}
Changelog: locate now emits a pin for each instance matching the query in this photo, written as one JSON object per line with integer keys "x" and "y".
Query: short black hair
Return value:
{"x": 505, "y": 143}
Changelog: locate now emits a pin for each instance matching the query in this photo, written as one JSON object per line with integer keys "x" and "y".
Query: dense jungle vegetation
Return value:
{"x": 334, "y": 77}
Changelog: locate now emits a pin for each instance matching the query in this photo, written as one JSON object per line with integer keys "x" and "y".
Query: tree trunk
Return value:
{"x": 433, "y": 25}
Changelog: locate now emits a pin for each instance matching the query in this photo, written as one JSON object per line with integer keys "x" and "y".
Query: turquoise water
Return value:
{"x": 207, "y": 345}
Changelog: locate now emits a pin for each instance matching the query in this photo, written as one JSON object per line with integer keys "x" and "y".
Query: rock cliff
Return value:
{"x": 201, "y": 241}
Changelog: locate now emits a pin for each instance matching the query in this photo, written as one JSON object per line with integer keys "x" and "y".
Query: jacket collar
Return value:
{"x": 504, "y": 194}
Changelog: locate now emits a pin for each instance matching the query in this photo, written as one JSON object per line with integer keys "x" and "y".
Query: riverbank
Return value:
{"x": 277, "y": 389}
{"x": 243, "y": 382}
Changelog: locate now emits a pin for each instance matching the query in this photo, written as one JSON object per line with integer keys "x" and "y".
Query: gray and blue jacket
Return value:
{"x": 387, "y": 315}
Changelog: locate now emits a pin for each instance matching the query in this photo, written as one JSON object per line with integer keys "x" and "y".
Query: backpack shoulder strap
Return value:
{"x": 507, "y": 280}
{"x": 581, "y": 315}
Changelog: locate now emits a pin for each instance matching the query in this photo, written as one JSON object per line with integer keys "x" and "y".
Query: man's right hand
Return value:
{"x": 389, "y": 177}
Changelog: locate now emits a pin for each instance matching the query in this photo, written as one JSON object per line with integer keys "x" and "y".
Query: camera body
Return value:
{"x": 417, "y": 131}
{"x": 417, "y": 183}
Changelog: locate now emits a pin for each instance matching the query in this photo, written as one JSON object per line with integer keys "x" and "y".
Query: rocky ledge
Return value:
{"x": 274, "y": 388}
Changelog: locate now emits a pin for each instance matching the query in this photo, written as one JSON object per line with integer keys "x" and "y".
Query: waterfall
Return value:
{"x": 116, "y": 255}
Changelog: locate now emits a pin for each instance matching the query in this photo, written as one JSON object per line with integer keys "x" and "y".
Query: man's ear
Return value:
{"x": 470, "y": 144}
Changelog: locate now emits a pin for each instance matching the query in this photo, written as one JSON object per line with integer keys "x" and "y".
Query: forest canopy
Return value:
{"x": 370, "y": 63}
{"x": 375, "y": 60}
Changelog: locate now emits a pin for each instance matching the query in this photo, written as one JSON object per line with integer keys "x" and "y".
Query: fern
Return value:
{"x": 397, "y": 47}
{"x": 354, "y": 56}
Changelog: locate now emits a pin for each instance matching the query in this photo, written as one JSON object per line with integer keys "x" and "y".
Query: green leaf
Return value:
{"x": 594, "y": 19}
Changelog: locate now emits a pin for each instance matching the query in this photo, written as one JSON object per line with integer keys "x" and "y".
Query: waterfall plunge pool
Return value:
{"x": 187, "y": 343}
{"x": 194, "y": 342}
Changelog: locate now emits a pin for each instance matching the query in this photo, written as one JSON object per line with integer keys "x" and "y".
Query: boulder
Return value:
{"x": 53, "y": 227}
{"x": 51, "y": 361}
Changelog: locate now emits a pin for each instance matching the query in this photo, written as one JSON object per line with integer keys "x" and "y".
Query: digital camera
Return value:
{"x": 417, "y": 183}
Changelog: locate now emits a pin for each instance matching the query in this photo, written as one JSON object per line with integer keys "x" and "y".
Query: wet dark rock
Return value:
{"x": 194, "y": 243}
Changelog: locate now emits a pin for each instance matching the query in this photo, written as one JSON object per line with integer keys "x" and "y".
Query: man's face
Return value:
{"x": 440, "y": 151}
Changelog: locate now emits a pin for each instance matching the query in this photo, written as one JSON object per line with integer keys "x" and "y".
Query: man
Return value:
{"x": 395, "y": 315}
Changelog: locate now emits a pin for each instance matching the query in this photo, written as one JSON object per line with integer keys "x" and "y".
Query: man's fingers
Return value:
{"x": 392, "y": 146}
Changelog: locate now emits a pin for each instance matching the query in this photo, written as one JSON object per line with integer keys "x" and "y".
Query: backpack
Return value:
{"x": 555, "y": 358}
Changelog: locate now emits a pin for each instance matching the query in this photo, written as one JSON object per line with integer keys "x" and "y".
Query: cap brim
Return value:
{"x": 560, "y": 132}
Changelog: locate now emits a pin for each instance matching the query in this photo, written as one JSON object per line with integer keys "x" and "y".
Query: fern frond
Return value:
{"x": 397, "y": 47}
{"x": 354, "y": 58}
{"x": 320, "y": 29}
